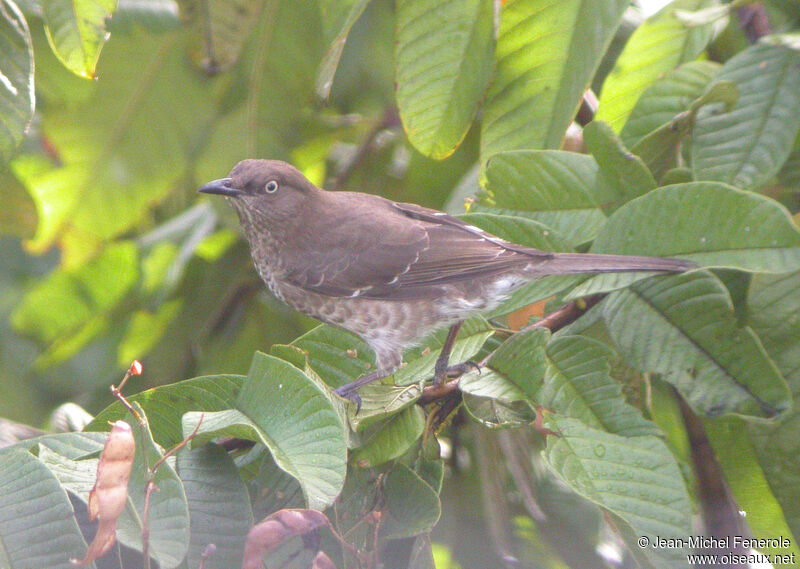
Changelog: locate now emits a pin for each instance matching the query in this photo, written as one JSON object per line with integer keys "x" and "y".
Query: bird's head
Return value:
{"x": 263, "y": 192}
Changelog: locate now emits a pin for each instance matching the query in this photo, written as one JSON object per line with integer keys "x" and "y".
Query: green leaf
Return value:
{"x": 379, "y": 401}
{"x": 66, "y": 310}
{"x": 390, "y": 439}
{"x": 76, "y": 30}
{"x": 547, "y": 53}
{"x": 37, "y": 524}
{"x": 497, "y": 414}
{"x": 562, "y": 190}
{"x": 521, "y": 361}
{"x": 145, "y": 329}
{"x": 621, "y": 169}
{"x": 577, "y": 384}
{"x": 338, "y": 17}
{"x": 709, "y": 223}
{"x": 218, "y": 30}
{"x": 18, "y": 216}
{"x": 421, "y": 360}
{"x": 658, "y": 46}
{"x": 663, "y": 101}
{"x": 635, "y": 478}
{"x": 17, "y": 97}
{"x": 108, "y": 177}
{"x": 219, "y": 506}
{"x": 684, "y": 328}
{"x": 166, "y": 405}
{"x": 443, "y": 59}
{"x": 299, "y": 425}
{"x": 412, "y": 506}
{"x": 747, "y": 146}
{"x": 338, "y": 357}
{"x": 490, "y": 384}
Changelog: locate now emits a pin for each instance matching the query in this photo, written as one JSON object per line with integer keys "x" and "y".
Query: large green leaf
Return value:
{"x": 562, "y": 190}
{"x": 110, "y": 174}
{"x": 37, "y": 525}
{"x": 69, "y": 308}
{"x": 747, "y": 146}
{"x": 658, "y": 46}
{"x": 577, "y": 384}
{"x": 709, "y": 223}
{"x": 166, "y": 405}
{"x": 684, "y": 328}
{"x": 16, "y": 86}
{"x": 663, "y": 101}
{"x": 443, "y": 59}
{"x": 521, "y": 361}
{"x": 76, "y": 30}
{"x": 299, "y": 425}
{"x": 547, "y": 53}
{"x": 338, "y": 357}
{"x": 636, "y": 478}
{"x": 219, "y": 506}
{"x": 219, "y": 30}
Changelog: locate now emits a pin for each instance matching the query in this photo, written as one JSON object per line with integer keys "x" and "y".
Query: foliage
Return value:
{"x": 109, "y": 255}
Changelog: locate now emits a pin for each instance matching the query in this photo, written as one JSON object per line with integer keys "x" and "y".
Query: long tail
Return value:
{"x": 577, "y": 263}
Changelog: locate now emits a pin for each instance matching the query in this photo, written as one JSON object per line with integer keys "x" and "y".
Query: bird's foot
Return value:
{"x": 350, "y": 391}
{"x": 442, "y": 374}
{"x": 350, "y": 394}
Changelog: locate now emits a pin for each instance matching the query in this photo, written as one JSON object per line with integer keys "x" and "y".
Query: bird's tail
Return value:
{"x": 577, "y": 263}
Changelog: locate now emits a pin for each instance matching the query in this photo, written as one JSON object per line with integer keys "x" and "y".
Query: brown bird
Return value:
{"x": 389, "y": 272}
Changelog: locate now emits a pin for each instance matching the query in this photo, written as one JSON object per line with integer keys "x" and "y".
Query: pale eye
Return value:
{"x": 271, "y": 187}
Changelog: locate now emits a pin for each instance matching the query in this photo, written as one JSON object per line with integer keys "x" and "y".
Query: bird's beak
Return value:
{"x": 221, "y": 187}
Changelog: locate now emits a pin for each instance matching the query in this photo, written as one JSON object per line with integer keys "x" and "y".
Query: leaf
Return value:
{"x": 108, "y": 177}
{"x": 521, "y": 361}
{"x": 166, "y": 405}
{"x": 664, "y": 100}
{"x": 443, "y": 61}
{"x": 547, "y": 52}
{"x": 412, "y": 506}
{"x": 748, "y": 145}
{"x": 621, "y": 169}
{"x": 17, "y": 97}
{"x": 298, "y": 424}
{"x": 684, "y": 328}
{"x": 338, "y": 357}
{"x": 562, "y": 190}
{"x": 37, "y": 526}
{"x": 144, "y": 331}
{"x": 18, "y": 216}
{"x": 709, "y": 223}
{"x": 577, "y": 384}
{"x": 338, "y": 17}
{"x": 219, "y": 506}
{"x": 496, "y": 413}
{"x": 218, "y": 30}
{"x": 658, "y": 46}
{"x": 76, "y": 30}
{"x": 635, "y": 478}
{"x": 490, "y": 384}
{"x": 69, "y": 308}
{"x": 390, "y": 439}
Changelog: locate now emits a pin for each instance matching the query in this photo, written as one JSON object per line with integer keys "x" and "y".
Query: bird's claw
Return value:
{"x": 350, "y": 394}
{"x": 455, "y": 371}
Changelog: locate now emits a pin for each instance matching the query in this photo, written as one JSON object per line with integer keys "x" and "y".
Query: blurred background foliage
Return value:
{"x": 108, "y": 254}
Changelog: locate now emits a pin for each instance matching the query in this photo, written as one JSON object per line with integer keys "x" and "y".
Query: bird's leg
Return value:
{"x": 443, "y": 371}
{"x": 350, "y": 390}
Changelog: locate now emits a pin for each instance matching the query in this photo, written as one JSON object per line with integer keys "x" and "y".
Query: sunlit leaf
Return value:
{"x": 658, "y": 46}
{"x": 547, "y": 53}
{"x": 444, "y": 57}
{"x": 76, "y": 30}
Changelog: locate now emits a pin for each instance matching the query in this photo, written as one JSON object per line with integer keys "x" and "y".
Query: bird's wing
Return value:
{"x": 404, "y": 251}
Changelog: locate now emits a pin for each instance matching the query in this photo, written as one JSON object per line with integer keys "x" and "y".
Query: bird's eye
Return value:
{"x": 271, "y": 187}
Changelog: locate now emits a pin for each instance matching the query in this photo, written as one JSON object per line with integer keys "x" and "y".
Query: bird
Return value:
{"x": 389, "y": 272}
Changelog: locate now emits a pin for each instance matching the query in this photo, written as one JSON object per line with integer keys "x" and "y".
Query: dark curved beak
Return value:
{"x": 221, "y": 187}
